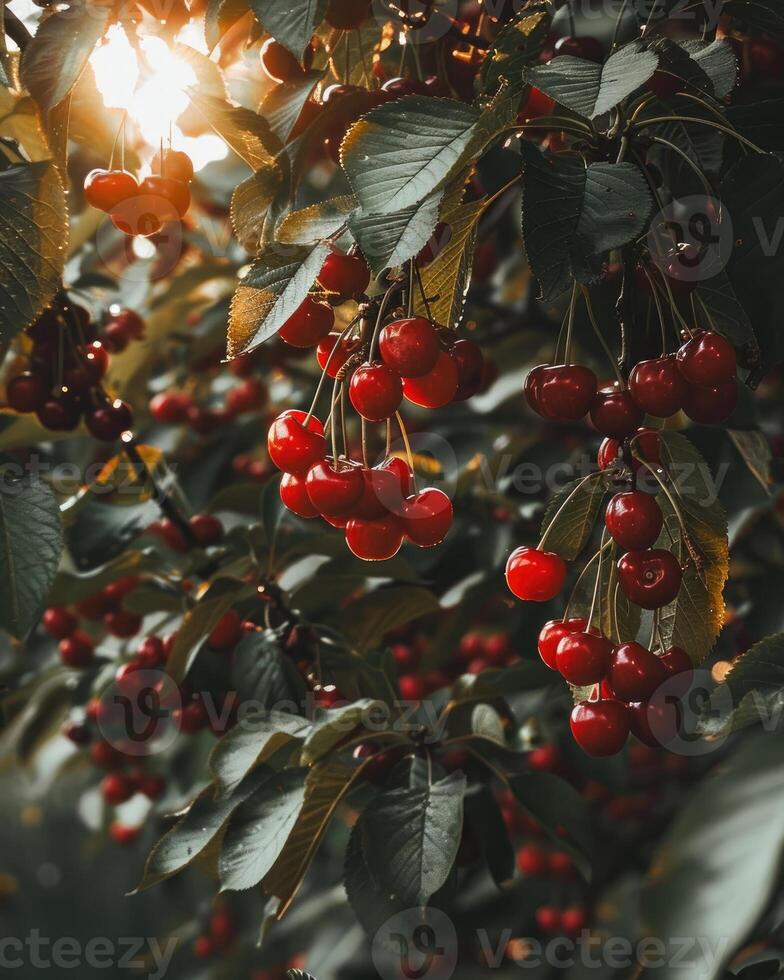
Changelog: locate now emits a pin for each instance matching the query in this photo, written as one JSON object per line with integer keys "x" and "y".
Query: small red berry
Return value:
{"x": 551, "y": 635}
{"x": 105, "y": 189}
{"x": 174, "y": 163}
{"x": 427, "y": 517}
{"x": 707, "y": 359}
{"x": 583, "y": 658}
{"x": 600, "y": 727}
{"x": 308, "y": 325}
{"x": 171, "y": 192}
{"x": 635, "y": 672}
{"x": 117, "y": 788}
{"x": 634, "y": 520}
{"x": 375, "y": 391}
{"x": 292, "y": 447}
{"x": 334, "y": 489}
{"x": 470, "y": 369}
{"x": 658, "y": 387}
{"x": 410, "y": 347}
{"x": 27, "y": 392}
{"x": 77, "y": 650}
{"x": 59, "y": 623}
{"x": 615, "y": 413}
{"x": 206, "y": 529}
{"x": 344, "y": 276}
{"x": 531, "y": 860}
{"x": 375, "y": 540}
{"x": 709, "y": 404}
{"x": 565, "y": 392}
{"x": 651, "y": 579}
{"x": 227, "y": 632}
{"x": 294, "y": 494}
{"x": 108, "y": 422}
{"x": 534, "y": 575}
{"x": 436, "y": 388}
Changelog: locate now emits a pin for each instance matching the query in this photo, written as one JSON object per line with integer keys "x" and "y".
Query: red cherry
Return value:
{"x": 574, "y": 920}
{"x": 707, "y": 359}
{"x": 709, "y": 405}
{"x": 123, "y": 623}
{"x": 310, "y": 323}
{"x": 27, "y": 392}
{"x": 173, "y": 192}
{"x": 142, "y": 215}
{"x": 548, "y": 919}
{"x": 565, "y": 392}
{"x": 227, "y": 632}
{"x": 635, "y": 672}
{"x": 651, "y": 579}
{"x": 375, "y": 391}
{"x": 385, "y": 491}
{"x": 537, "y": 105}
{"x": 531, "y": 860}
{"x": 203, "y": 948}
{"x": 333, "y": 362}
{"x": 105, "y": 189}
{"x": 644, "y": 443}
{"x": 59, "y": 623}
{"x": 600, "y": 727}
{"x": 427, "y": 517}
{"x": 655, "y": 723}
{"x": 117, "y": 788}
{"x": 279, "y": 63}
{"x": 375, "y": 540}
{"x": 248, "y": 396}
{"x": 334, "y": 489}
{"x": 583, "y": 658}
{"x": 130, "y": 679}
{"x": 151, "y": 786}
{"x": 108, "y": 422}
{"x": 470, "y": 368}
{"x": 59, "y": 414}
{"x": 347, "y": 15}
{"x": 78, "y": 734}
{"x": 294, "y": 495}
{"x": 175, "y": 164}
{"x": 615, "y": 413}
{"x": 588, "y": 48}
{"x": 634, "y": 520}
{"x": 171, "y": 535}
{"x": 436, "y": 388}
{"x": 77, "y": 650}
{"x": 534, "y": 575}
{"x": 130, "y": 323}
{"x": 676, "y": 661}
{"x": 410, "y": 347}
{"x": 551, "y": 635}
{"x": 89, "y": 371}
{"x": 292, "y": 447}
{"x": 151, "y": 652}
{"x": 412, "y": 688}
{"x": 657, "y": 386}
{"x": 345, "y": 276}
{"x": 206, "y": 529}
{"x": 532, "y": 388}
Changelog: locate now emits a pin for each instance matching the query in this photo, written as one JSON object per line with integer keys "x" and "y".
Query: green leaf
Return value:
{"x": 197, "y": 835}
{"x": 760, "y": 122}
{"x": 292, "y": 24}
{"x": 274, "y": 287}
{"x": 317, "y": 222}
{"x": 58, "y": 52}
{"x": 30, "y": 547}
{"x": 198, "y": 624}
{"x": 399, "y": 153}
{"x": 717, "y": 60}
{"x": 283, "y": 105}
{"x": 555, "y": 803}
{"x": 251, "y": 743}
{"x": 517, "y": 44}
{"x": 590, "y": 89}
{"x": 573, "y": 215}
{"x": 484, "y": 817}
{"x": 299, "y": 975}
{"x": 715, "y": 871}
{"x": 259, "y": 828}
{"x": 573, "y": 512}
{"x": 250, "y": 203}
{"x": 755, "y": 451}
{"x": 486, "y": 722}
{"x": 33, "y": 236}
{"x": 366, "y": 620}
{"x": 751, "y": 693}
{"x": 695, "y": 619}
{"x": 331, "y": 727}
{"x": 388, "y": 240}
{"x": 246, "y": 132}
{"x": 261, "y": 672}
{"x": 410, "y": 838}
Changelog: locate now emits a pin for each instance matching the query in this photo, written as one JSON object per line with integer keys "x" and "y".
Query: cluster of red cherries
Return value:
{"x": 376, "y": 506}
{"x": 62, "y": 381}
{"x": 143, "y": 207}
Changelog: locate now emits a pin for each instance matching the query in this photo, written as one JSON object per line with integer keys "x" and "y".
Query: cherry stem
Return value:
{"x": 599, "y": 335}
{"x": 570, "y": 326}
{"x": 674, "y": 306}
{"x": 379, "y": 320}
{"x": 343, "y": 429}
{"x": 654, "y": 628}
{"x": 656, "y": 120}
{"x": 120, "y": 129}
{"x": 320, "y": 384}
{"x": 575, "y": 491}
{"x": 686, "y": 159}
{"x": 164, "y": 501}
{"x": 659, "y": 310}
{"x": 364, "y": 444}
{"x": 582, "y": 575}
{"x": 410, "y": 298}
{"x": 425, "y": 303}
{"x": 407, "y": 444}
{"x": 598, "y": 582}
{"x": 333, "y": 422}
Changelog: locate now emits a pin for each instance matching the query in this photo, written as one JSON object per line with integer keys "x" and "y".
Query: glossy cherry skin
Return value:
{"x": 334, "y": 489}
{"x": 566, "y": 392}
{"x": 77, "y": 650}
{"x": 644, "y": 443}
{"x": 344, "y": 276}
{"x": 537, "y": 105}
{"x": 436, "y": 388}
{"x": 583, "y": 658}
{"x": 105, "y": 189}
{"x": 173, "y": 163}
{"x": 376, "y": 391}
{"x": 635, "y": 672}
{"x": 310, "y": 323}
{"x": 535, "y": 576}
{"x": 292, "y": 447}
{"x": 59, "y": 623}
{"x": 600, "y": 728}
{"x": 387, "y": 488}
{"x": 174, "y": 192}
{"x": 142, "y": 215}
{"x": 658, "y": 387}
{"x": 410, "y": 347}
{"x": 709, "y": 404}
{"x": 707, "y": 359}
{"x": 677, "y": 663}
{"x": 427, "y": 517}
{"x": 109, "y": 421}
{"x": 294, "y": 495}
{"x": 532, "y": 388}
{"x": 651, "y": 579}
{"x": 634, "y": 520}
{"x": 588, "y": 48}
{"x": 332, "y": 353}
{"x": 279, "y": 63}
{"x": 375, "y": 540}
{"x": 59, "y": 414}
{"x": 615, "y": 413}
{"x": 470, "y": 368}
{"x": 27, "y": 392}
{"x": 551, "y": 635}
{"x": 654, "y": 723}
